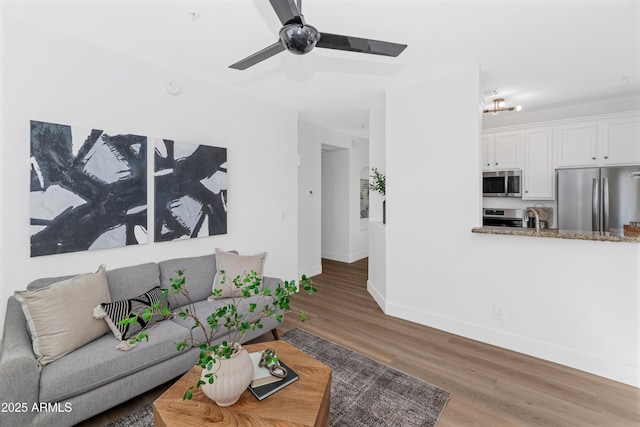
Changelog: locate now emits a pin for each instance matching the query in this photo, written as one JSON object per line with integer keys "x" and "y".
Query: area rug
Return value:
{"x": 141, "y": 417}
{"x": 364, "y": 393}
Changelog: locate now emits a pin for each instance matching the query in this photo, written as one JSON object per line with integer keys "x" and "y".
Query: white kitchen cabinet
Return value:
{"x": 538, "y": 172}
{"x": 576, "y": 144}
{"x": 501, "y": 151}
{"x": 541, "y": 148}
{"x": 619, "y": 142}
{"x": 487, "y": 148}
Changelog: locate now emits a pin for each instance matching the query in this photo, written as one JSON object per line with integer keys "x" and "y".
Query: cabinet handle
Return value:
{"x": 606, "y": 157}
{"x": 526, "y": 191}
{"x": 496, "y": 163}
{"x": 593, "y": 158}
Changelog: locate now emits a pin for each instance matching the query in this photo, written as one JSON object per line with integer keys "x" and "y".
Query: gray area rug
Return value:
{"x": 364, "y": 393}
{"x": 141, "y": 417}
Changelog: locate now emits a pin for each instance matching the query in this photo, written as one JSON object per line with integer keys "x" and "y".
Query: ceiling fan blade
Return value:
{"x": 357, "y": 44}
{"x": 265, "y": 53}
{"x": 285, "y": 9}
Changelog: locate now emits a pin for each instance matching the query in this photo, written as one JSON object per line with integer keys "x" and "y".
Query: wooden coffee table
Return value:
{"x": 302, "y": 403}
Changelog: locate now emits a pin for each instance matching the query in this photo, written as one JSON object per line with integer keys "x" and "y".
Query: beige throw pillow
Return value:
{"x": 60, "y": 316}
{"x": 235, "y": 265}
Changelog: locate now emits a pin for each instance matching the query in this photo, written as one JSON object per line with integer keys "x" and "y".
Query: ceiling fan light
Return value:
{"x": 299, "y": 39}
{"x": 499, "y": 103}
{"x": 518, "y": 107}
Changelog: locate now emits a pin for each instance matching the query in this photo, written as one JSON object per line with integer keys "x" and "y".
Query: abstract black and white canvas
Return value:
{"x": 190, "y": 190}
{"x": 88, "y": 189}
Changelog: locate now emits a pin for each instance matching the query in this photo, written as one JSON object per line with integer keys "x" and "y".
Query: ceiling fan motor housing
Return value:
{"x": 299, "y": 38}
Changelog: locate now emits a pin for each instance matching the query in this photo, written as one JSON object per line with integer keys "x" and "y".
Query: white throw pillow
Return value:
{"x": 233, "y": 266}
{"x": 60, "y": 316}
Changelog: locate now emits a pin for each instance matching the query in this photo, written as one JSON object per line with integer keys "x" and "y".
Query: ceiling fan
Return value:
{"x": 298, "y": 37}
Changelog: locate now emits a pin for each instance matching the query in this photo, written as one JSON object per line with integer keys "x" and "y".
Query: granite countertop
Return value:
{"x": 559, "y": 234}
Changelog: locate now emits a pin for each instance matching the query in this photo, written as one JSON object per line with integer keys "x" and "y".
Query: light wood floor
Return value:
{"x": 490, "y": 386}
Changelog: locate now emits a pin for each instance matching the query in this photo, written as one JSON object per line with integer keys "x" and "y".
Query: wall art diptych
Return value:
{"x": 190, "y": 190}
{"x": 88, "y": 189}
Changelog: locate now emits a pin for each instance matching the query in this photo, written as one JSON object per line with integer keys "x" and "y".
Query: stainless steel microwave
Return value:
{"x": 507, "y": 183}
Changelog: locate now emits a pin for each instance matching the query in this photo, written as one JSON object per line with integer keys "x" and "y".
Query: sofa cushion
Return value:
{"x": 60, "y": 316}
{"x": 230, "y": 265}
{"x": 115, "y": 312}
{"x": 99, "y": 362}
{"x": 198, "y": 274}
{"x": 129, "y": 282}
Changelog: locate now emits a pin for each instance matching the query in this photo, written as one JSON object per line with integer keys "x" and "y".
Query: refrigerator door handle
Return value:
{"x": 595, "y": 205}
{"x": 605, "y": 204}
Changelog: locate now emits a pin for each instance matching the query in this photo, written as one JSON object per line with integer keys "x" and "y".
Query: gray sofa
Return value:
{"x": 98, "y": 376}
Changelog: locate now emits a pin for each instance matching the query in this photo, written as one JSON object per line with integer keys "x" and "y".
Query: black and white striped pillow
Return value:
{"x": 114, "y": 312}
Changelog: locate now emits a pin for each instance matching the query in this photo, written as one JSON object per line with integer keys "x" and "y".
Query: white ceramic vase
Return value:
{"x": 233, "y": 376}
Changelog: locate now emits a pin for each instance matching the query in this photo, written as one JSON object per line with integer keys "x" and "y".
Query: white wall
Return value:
{"x": 343, "y": 180}
{"x": 309, "y": 205}
{"x": 344, "y": 234}
{"x": 377, "y": 157}
{"x": 335, "y": 205}
{"x": 56, "y": 78}
{"x": 358, "y": 227}
{"x": 377, "y": 271}
{"x": 572, "y": 302}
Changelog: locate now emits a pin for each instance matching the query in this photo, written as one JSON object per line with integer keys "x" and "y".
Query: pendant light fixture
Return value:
{"x": 498, "y": 106}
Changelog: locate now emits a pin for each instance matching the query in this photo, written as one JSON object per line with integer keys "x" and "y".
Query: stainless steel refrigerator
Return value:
{"x": 598, "y": 199}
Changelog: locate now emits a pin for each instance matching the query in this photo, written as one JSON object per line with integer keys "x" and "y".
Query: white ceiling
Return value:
{"x": 541, "y": 54}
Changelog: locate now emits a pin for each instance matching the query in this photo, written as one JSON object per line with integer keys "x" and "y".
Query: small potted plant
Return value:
{"x": 379, "y": 185}
{"x": 216, "y": 358}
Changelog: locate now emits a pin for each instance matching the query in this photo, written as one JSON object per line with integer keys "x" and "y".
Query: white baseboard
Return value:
{"x": 358, "y": 256}
{"x": 377, "y": 296}
{"x": 311, "y": 271}
{"x": 346, "y": 258}
{"x": 335, "y": 256}
{"x": 594, "y": 364}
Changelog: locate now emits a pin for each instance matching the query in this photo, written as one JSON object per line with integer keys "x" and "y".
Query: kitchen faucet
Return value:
{"x": 535, "y": 214}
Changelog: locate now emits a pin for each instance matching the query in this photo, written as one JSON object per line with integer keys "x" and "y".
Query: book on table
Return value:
{"x": 261, "y": 374}
{"x": 262, "y": 386}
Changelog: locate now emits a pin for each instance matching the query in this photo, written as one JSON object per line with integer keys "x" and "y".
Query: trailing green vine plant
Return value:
{"x": 275, "y": 303}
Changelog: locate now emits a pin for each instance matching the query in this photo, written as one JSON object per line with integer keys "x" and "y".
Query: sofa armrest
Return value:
{"x": 271, "y": 283}
{"x": 19, "y": 371}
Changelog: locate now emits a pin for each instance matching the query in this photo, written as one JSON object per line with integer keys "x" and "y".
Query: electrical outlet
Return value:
{"x": 499, "y": 313}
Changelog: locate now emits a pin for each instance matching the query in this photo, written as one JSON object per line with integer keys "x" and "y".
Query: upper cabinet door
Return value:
{"x": 487, "y": 152}
{"x": 538, "y": 173}
{"x": 507, "y": 151}
{"x": 620, "y": 141}
{"x": 576, "y": 145}
{"x": 501, "y": 151}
